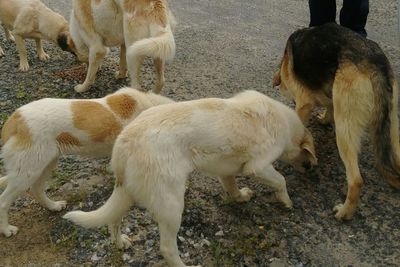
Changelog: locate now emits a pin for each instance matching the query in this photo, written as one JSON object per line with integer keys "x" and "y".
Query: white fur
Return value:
{"x": 115, "y": 26}
{"x": 46, "y": 119}
{"x": 241, "y": 135}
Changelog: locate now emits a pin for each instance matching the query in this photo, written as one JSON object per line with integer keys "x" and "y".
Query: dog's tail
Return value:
{"x": 3, "y": 182}
{"x": 385, "y": 126}
{"x": 160, "y": 46}
{"x": 111, "y": 212}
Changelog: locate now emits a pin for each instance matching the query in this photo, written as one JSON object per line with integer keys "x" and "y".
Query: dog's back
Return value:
{"x": 317, "y": 52}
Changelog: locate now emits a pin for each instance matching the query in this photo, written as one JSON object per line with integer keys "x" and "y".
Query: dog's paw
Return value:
{"x": 80, "y": 88}
{"x": 342, "y": 213}
{"x": 285, "y": 199}
{"x": 9, "y": 230}
{"x": 43, "y": 56}
{"x": 58, "y": 205}
{"x": 120, "y": 74}
{"x": 245, "y": 195}
{"x": 11, "y": 38}
{"x": 24, "y": 66}
{"x": 123, "y": 242}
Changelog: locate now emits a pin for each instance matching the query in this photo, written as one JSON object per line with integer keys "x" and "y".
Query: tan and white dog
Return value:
{"x": 37, "y": 134}
{"x": 154, "y": 155}
{"x": 140, "y": 27}
{"x": 32, "y": 19}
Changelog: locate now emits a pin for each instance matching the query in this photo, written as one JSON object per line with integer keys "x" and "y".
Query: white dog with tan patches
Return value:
{"x": 155, "y": 153}
{"x": 37, "y": 134}
{"x": 140, "y": 27}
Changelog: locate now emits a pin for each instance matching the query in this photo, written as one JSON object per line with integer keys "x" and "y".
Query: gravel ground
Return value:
{"x": 223, "y": 47}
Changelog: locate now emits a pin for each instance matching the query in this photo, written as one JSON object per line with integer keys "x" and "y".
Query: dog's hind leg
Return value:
{"x": 348, "y": 144}
{"x": 17, "y": 184}
{"x": 96, "y": 56}
{"x": 38, "y": 190}
{"x": 122, "y": 241}
{"x": 123, "y": 70}
{"x": 159, "y": 65}
{"x": 134, "y": 67}
{"x": 167, "y": 209}
{"x": 39, "y": 49}
{"x": 234, "y": 193}
{"x": 353, "y": 106}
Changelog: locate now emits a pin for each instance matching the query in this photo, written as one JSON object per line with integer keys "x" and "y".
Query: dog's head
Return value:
{"x": 66, "y": 43}
{"x": 301, "y": 155}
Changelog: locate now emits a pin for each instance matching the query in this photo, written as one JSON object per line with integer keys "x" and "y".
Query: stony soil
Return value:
{"x": 223, "y": 47}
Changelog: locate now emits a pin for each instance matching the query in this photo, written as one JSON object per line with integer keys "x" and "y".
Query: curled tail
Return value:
{"x": 161, "y": 46}
{"x": 385, "y": 128}
{"x": 111, "y": 212}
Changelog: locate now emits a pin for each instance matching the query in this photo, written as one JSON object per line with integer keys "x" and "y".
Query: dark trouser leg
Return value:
{"x": 354, "y": 15}
{"x": 322, "y": 11}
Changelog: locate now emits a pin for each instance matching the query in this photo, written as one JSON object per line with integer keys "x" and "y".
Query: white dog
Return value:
{"x": 143, "y": 27}
{"x": 37, "y": 134}
{"x": 154, "y": 154}
{"x": 32, "y": 19}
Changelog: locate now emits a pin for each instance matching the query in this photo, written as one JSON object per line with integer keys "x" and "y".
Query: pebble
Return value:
{"x": 219, "y": 233}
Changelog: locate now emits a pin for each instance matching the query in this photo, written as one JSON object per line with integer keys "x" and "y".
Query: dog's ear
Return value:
{"x": 62, "y": 41}
{"x": 308, "y": 146}
{"x": 276, "y": 80}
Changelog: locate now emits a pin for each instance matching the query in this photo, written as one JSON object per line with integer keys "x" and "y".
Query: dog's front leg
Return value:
{"x": 273, "y": 178}
{"x": 96, "y": 56}
{"x": 122, "y": 72}
{"x": 234, "y": 193}
{"x": 39, "y": 49}
{"x": 23, "y": 60}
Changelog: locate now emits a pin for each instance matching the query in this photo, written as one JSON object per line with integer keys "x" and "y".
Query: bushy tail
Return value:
{"x": 111, "y": 212}
{"x": 3, "y": 182}
{"x": 161, "y": 46}
{"x": 385, "y": 129}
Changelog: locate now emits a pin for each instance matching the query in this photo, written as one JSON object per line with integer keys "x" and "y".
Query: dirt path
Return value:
{"x": 223, "y": 47}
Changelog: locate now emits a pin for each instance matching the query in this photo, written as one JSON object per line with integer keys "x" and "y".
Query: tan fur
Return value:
{"x": 84, "y": 7}
{"x": 103, "y": 127}
{"x": 16, "y": 127}
{"x": 32, "y": 19}
{"x": 123, "y": 105}
{"x": 65, "y": 139}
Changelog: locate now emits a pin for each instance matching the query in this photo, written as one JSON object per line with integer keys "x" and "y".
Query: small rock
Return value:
{"x": 94, "y": 257}
{"x": 219, "y": 233}
{"x": 126, "y": 257}
{"x": 206, "y": 242}
{"x": 181, "y": 238}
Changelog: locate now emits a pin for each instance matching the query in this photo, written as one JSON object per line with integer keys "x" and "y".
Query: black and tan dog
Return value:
{"x": 350, "y": 76}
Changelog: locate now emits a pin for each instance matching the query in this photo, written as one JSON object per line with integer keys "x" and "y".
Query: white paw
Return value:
{"x": 58, "y": 205}
{"x": 24, "y": 66}
{"x": 44, "y": 56}
{"x": 245, "y": 195}
{"x": 9, "y": 230}
{"x": 123, "y": 242}
{"x": 120, "y": 74}
{"x": 342, "y": 213}
{"x": 80, "y": 88}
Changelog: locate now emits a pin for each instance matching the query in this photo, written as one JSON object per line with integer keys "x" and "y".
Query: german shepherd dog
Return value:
{"x": 334, "y": 67}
